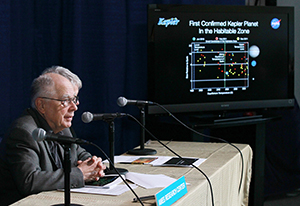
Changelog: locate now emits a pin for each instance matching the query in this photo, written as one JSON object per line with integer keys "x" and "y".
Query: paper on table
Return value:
{"x": 149, "y": 181}
{"x": 117, "y": 190}
{"x": 127, "y": 159}
{"x": 146, "y": 181}
{"x": 158, "y": 162}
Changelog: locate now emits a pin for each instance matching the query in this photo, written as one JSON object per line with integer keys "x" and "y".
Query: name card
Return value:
{"x": 172, "y": 193}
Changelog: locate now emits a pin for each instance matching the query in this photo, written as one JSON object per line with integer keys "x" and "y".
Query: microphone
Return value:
{"x": 40, "y": 134}
{"x": 122, "y": 101}
{"x": 87, "y": 117}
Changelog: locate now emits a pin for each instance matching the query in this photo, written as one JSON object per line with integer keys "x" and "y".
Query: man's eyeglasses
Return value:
{"x": 65, "y": 102}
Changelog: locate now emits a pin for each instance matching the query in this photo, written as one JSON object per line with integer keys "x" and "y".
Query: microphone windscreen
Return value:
{"x": 39, "y": 134}
{"x": 122, "y": 101}
{"x": 87, "y": 117}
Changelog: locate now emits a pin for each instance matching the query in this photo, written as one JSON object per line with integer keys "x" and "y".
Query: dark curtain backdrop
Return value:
{"x": 282, "y": 169}
{"x": 104, "y": 42}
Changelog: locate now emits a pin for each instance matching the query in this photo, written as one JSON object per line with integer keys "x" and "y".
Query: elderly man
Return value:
{"x": 28, "y": 167}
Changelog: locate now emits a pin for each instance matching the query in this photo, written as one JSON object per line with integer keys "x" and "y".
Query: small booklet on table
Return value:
{"x": 140, "y": 160}
{"x": 176, "y": 161}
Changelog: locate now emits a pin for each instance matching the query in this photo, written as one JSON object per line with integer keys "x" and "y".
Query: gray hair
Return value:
{"x": 40, "y": 86}
{"x": 73, "y": 78}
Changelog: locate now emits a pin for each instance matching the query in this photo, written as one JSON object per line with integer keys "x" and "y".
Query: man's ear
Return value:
{"x": 40, "y": 105}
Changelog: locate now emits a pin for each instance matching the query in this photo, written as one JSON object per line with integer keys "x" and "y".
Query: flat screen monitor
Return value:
{"x": 220, "y": 58}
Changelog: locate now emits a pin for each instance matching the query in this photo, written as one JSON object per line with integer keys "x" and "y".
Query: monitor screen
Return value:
{"x": 220, "y": 58}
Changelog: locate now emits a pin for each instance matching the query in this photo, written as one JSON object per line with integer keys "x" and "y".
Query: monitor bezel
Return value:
{"x": 229, "y": 105}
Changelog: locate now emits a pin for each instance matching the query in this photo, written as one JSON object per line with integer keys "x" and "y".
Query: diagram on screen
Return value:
{"x": 219, "y": 65}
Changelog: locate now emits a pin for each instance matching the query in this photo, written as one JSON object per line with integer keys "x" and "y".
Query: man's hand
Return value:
{"x": 92, "y": 168}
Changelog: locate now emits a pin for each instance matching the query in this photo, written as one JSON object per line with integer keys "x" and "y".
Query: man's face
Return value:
{"x": 55, "y": 113}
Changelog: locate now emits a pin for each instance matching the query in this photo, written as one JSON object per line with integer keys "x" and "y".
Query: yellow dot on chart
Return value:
{"x": 217, "y": 77}
{"x": 238, "y": 38}
{"x": 212, "y": 50}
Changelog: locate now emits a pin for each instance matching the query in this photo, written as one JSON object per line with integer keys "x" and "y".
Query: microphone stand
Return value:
{"x": 142, "y": 150}
{"x": 111, "y": 169}
{"x": 67, "y": 171}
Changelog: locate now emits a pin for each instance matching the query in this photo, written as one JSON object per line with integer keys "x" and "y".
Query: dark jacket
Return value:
{"x": 27, "y": 166}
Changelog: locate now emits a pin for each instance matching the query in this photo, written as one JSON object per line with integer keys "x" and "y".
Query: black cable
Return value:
{"x": 204, "y": 135}
{"x": 111, "y": 164}
{"x": 210, "y": 185}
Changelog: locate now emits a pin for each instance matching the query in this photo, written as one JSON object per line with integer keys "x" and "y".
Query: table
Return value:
{"x": 222, "y": 166}
{"x": 258, "y": 175}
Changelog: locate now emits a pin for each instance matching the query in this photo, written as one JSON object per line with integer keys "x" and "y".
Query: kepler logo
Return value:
{"x": 275, "y": 23}
{"x": 167, "y": 22}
